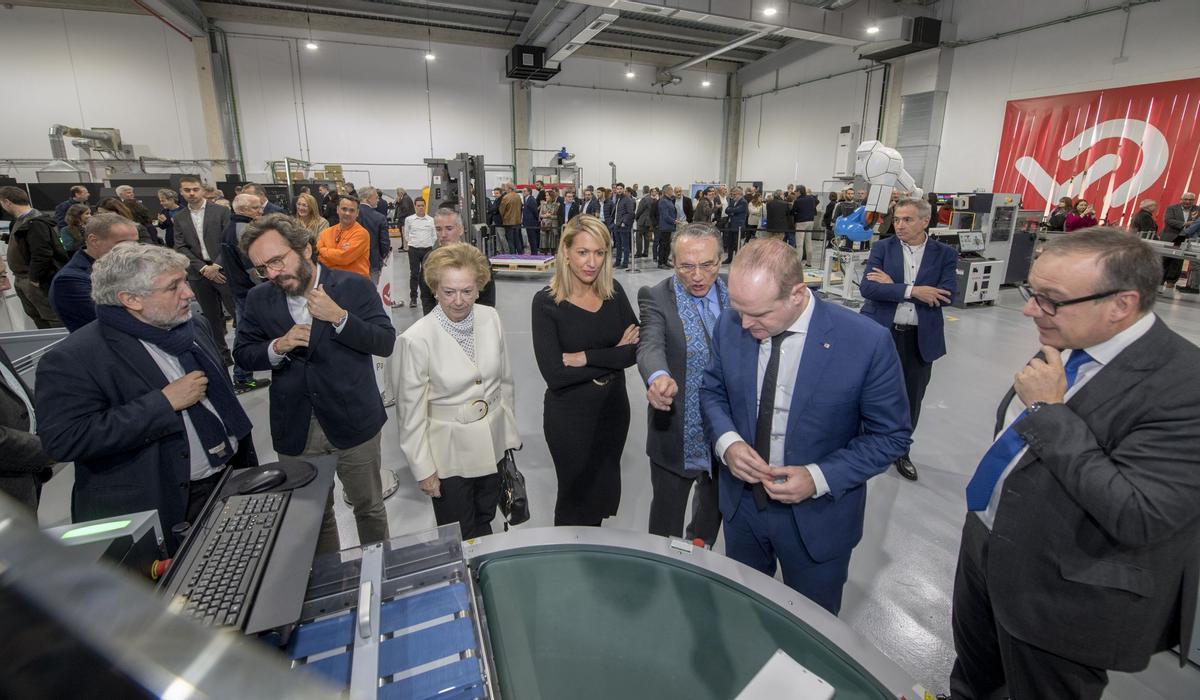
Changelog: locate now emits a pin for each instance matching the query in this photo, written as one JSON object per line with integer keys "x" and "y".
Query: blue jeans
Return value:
{"x": 239, "y": 308}
{"x": 621, "y": 243}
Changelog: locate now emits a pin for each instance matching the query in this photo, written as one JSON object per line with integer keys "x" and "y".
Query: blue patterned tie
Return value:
{"x": 706, "y": 315}
{"x": 1009, "y": 444}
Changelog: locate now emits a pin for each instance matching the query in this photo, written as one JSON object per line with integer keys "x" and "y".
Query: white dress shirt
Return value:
{"x": 15, "y": 384}
{"x": 790, "y": 355}
{"x": 298, "y": 308}
{"x": 906, "y": 313}
{"x": 198, "y": 222}
{"x": 419, "y": 231}
{"x": 173, "y": 370}
{"x": 1102, "y": 355}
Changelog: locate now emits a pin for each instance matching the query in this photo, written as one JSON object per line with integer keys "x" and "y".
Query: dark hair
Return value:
{"x": 802, "y": 190}
{"x": 1126, "y": 261}
{"x": 75, "y": 214}
{"x": 77, "y": 189}
{"x": 618, "y": 184}
{"x": 190, "y": 178}
{"x": 116, "y": 206}
{"x": 16, "y": 195}
{"x": 419, "y": 199}
{"x": 350, "y": 197}
{"x": 293, "y": 232}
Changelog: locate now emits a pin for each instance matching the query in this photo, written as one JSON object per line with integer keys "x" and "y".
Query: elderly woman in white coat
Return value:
{"x": 455, "y": 393}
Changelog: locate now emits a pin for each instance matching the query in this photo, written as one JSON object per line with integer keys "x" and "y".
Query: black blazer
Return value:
{"x": 187, "y": 240}
{"x": 779, "y": 215}
{"x": 25, "y": 464}
{"x": 1093, "y": 553}
{"x": 334, "y": 377}
{"x": 100, "y": 404}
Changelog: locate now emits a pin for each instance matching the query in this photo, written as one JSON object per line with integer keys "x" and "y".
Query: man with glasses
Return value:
{"x": 678, "y": 317}
{"x": 1079, "y": 549}
{"x": 909, "y": 278}
{"x": 317, "y": 329}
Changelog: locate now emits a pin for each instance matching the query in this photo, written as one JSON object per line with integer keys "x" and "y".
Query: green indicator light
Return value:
{"x": 96, "y": 529}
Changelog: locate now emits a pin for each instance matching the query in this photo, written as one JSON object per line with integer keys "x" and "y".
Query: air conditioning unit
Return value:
{"x": 900, "y": 36}
{"x": 528, "y": 63}
{"x": 844, "y": 156}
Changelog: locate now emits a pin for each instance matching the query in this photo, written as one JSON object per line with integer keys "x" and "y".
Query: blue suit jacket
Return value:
{"x": 849, "y": 416}
{"x": 937, "y": 270}
{"x": 738, "y": 213}
{"x": 381, "y": 243}
{"x": 529, "y": 212}
{"x": 100, "y": 403}
{"x": 668, "y": 214}
{"x": 71, "y": 292}
{"x": 334, "y": 377}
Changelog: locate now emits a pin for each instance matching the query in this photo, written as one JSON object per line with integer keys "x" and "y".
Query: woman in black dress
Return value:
{"x": 585, "y": 335}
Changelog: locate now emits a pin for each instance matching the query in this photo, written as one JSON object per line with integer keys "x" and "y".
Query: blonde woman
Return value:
{"x": 455, "y": 393}
{"x": 309, "y": 215}
{"x": 585, "y": 335}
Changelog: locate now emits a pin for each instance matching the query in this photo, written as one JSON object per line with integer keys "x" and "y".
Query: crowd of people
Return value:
{"x": 768, "y": 407}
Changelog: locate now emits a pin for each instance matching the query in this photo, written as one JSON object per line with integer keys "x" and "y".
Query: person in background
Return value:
{"x": 247, "y": 207}
{"x": 420, "y": 233}
{"x": 685, "y": 207}
{"x": 454, "y": 401}
{"x": 268, "y": 207}
{"x": 548, "y": 212}
{"x": 318, "y": 329}
{"x": 736, "y": 215}
{"x": 494, "y": 221}
{"x": 138, "y": 212}
{"x": 308, "y": 213}
{"x": 777, "y": 218}
{"x": 35, "y": 255}
{"x": 79, "y": 195}
{"x": 646, "y": 214}
{"x": 794, "y": 492}
{"x": 623, "y": 208}
{"x": 585, "y": 335}
{"x": 569, "y": 210}
{"x": 212, "y": 195}
{"x": 1058, "y": 217}
{"x": 1078, "y": 553}
{"x": 664, "y": 228}
{"x": 827, "y": 220}
{"x": 754, "y": 216}
{"x": 168, "y": 202}
{"x": 1177, "y": 218}
{"x": 908, "y": 278}
{"x": 376, "y": 224}
{"x": 71, "y": 290}
{"x": 447, "y": 224}
{"x": 346, "y": 245}
{"x": 804, "y": 214}
{"x": 71, "y": 235}
{"x": 330, "y": 203}
{"x": 678, "y": 317}
{"x": 529, "y": 219}
{"x": 198, "y": 229}
{"x": 702, "y": 213}
{"x": 140, "y": 399}
{"x": 1143, "y": 222}
{"x": 113, "y": 205}
{"x": 26, "y": 465}
{"x": 404, "y": 207}
{"x": 1083, "y": 216}
{"x": 381, "y": 206}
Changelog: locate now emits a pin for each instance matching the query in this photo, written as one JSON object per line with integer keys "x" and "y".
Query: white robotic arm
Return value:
{"x": 883, "y": 169}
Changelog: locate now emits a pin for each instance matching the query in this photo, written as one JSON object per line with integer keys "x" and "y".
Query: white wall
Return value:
{"x": 1061, "y": 59}
{"x": 790, "y": 136}
{"x": 654, "y": 139}
{"x": 367, "y": 103}
{"x": 96, "y": 69}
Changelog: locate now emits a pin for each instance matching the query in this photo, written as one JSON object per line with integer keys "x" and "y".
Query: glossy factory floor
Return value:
{"x": 901, "y": 574}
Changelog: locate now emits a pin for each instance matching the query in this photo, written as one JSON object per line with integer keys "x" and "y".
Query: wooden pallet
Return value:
{"x": 503, "y": 263}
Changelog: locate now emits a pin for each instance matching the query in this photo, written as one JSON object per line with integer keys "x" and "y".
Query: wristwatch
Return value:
{"x": 1035, "y": 407}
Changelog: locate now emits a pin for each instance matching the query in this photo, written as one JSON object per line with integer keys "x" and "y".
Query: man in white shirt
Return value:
{"x": 198, "y": 231}
{"x": 806, "y": 402}
{"x": 1079, "y": 551}
{"x": 909, "y": 278}
{"x": 420, "y": 234}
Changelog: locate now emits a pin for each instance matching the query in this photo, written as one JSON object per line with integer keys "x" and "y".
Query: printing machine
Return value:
{"x": 977, "y": 277}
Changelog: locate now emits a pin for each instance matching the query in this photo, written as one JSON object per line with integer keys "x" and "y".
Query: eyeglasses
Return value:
{"x": 1051, "y": 307}
{"x": 689, "y": 269}
{"x": 275, "y": 263}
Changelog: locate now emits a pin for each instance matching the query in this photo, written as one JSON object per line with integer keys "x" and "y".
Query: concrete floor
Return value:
{"x": 901, "y": 574}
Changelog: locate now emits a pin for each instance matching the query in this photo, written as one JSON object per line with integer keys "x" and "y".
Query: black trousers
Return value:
{"x": 212, "y": 297}
{"x": 662, "y": 243}
{"x": 644, "y": 235}
{"x": 991, "y": 662}
{"x": 416, "y": 269}
{"x": 916, "y": 370}
{"x": 669, "y": 503}
{"x": 729, "y": 240}
{"x": 470, "y": 502}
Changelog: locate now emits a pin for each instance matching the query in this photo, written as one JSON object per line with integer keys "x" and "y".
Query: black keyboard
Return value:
{"x": 223, "y": 576}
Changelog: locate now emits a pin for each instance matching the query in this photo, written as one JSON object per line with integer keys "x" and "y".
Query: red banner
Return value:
{"x": 1115, "y": 148}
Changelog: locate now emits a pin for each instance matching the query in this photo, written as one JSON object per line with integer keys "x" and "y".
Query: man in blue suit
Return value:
{"x": 376, "y": 224}
{"x": 909, "y": 278}
{"x": 736, "y": 214}
{"x": 317, "y": 329}
{"x": 530, "y": 220}
{"x": 805, "y": 402}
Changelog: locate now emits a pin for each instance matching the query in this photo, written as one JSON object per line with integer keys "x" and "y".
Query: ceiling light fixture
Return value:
{"x": 629, "y": 71}
{"x": 429, "y": 55}
{"x": 310, "y": 44}
{"x": 706, "y": 82}
{"x": 769, "y": 11}
{"x": 873, "y": 29}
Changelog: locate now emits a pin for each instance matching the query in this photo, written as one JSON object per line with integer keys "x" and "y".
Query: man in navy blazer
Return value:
{"x": 805, "y": 402}
{"x": 736, "y": 213}
{"x": 317, "y": 329}
{"x": 71, "y": 290}
{"x": 909, "y": 278}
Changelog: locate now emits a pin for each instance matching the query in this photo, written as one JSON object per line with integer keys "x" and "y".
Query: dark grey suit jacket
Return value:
{"x": 1095, "y": 547}
{"x": 216, "y": 218}
{"x": 663, "y": 346}
{"x": 23, "y": 462}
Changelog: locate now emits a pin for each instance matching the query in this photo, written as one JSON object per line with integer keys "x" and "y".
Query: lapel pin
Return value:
{"x": 825, "y": 345}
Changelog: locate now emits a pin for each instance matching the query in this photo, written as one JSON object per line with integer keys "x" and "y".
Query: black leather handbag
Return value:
{"x": 514, "y": 501}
